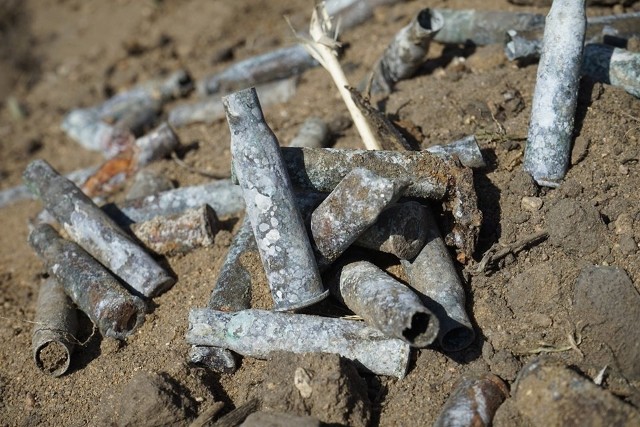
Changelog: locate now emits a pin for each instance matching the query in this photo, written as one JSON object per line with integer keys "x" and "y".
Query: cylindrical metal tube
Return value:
{"x": 429, "y": 176}
{"x": 433, "y": 275}
{"x": 399, "y": 230}
{"x": 280, "y": 233}
{"x": 284, "y": 62}
{"x": 223, "y": 196}
{"x": 138, "y": 108}
{"x": 314, "y": 133}
{"x": 86, "y": 128}
{"x": 256, "y": 333}
{"x": 155, "y": 145}
{"x": 465, "y": 149}
{"x": 519, "y": 48}
{"x": 386, "y": 304}
{"x": 216, "y": 359}
{"x": 21, "y": 192}
{"x": 548, "y": 149}
{"x": 232, "y": 292}
{"x": 92, "y": 288}
{"x": 55, "y": 328}
{"x": 275, "y": 65}
{"x": 180, "y": 233}
{"x": 482, "y": 27}
{"x": 473, "y": 402}
{"x": 354, "y": 12}
{"x": 92, "y": 229}
{"x": 211, "y": 109}
{"x": 146, "y": 183}
{"x": 113, "y": 173}
{"x": 351, "y": 208}
{"x": 613, "y": 30}
{"x": 614, "y": 66}
{"x": 407, "y": 51}
{"x": 321, "y": 169}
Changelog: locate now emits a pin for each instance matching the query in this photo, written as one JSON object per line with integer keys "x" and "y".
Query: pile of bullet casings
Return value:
{"x": 306, "y": 207}
{"x": 360, "y": 209}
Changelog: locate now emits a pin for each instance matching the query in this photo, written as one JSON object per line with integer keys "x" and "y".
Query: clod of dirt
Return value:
{"x": 607, "y": 304}
{"x": 523, "y": 184}
{"x": 148, "y": 399}
{"x": 272, "y": 419}
{"x": 508, "y": 415}
{"x": 575, "y": 227}
{"x": 537, "y": 289}
{"x": 324, "y": 386}
{"x": 570, "y": 189}
{"x": 505, "y": 365}
{"x": 548, "y": 395}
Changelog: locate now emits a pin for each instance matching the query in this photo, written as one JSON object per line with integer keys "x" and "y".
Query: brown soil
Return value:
{"x": 64, "y": 54}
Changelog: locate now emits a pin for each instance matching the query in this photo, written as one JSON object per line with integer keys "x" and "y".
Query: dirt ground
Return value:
{"x": 57, "y": 55}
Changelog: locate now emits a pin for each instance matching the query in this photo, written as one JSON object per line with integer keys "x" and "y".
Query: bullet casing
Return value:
{"x": 224, "y": 197}
{"x": 56, "y": 325}
{"x": 313, "y": 133}
{"x": 433, "y": 275}
{"x": 275, "y": 65}
{"x": 322, "y": 169}
{"x": 211, "y": 109}
{"x": 90, "y": 286}
{"x": 86, "y": 128}
{"x": 232, "y": 292}
{"x": 155, "y": 145}
{"x": 548, "y": 148}
{"x": 399, "y": 230}
{"x": 180, "y": 233}
{"x": 465, "y": 149}
{"x": 407, "y": 51}
{"x": 614, "y": 66}
{"x": 92, "y": 229}
{"x": 483, "y": 27}
{"x": 138, "y": 108}
{"x": 351, "y": 208}
{"x": 280, "y": 233}
{"x": 386, "y": 304}
{"x": 257, "y": 333}
{"x": 473, "y": 402}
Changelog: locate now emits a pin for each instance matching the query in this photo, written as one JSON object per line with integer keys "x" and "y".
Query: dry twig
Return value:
{"x": 496, "y": 253}
{"x": 323, "y": 46}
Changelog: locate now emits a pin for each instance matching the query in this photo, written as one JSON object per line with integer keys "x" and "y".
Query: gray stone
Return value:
{"x": 272, "y": 419}
{"x": 608, "y": 305}
{"x": 575, "y": 227}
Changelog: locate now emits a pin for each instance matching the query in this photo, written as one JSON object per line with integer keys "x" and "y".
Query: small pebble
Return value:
{"x": 531, "y": 204}
{"x": 624, "y": 170}
{"x": 521, "y": 218}
{"x": 623, "y": 224}
{"x": 541, "y": 320}
{"x": 628, "y": 245}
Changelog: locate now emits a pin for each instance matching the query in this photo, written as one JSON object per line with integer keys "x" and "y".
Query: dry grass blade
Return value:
{"x": 322, "y": 44}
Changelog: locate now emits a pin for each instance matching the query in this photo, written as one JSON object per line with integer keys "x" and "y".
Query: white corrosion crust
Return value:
{"x": 556, "y": 93}
{"x": 277, "y": 225}
{"x": 257, "y": 333}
